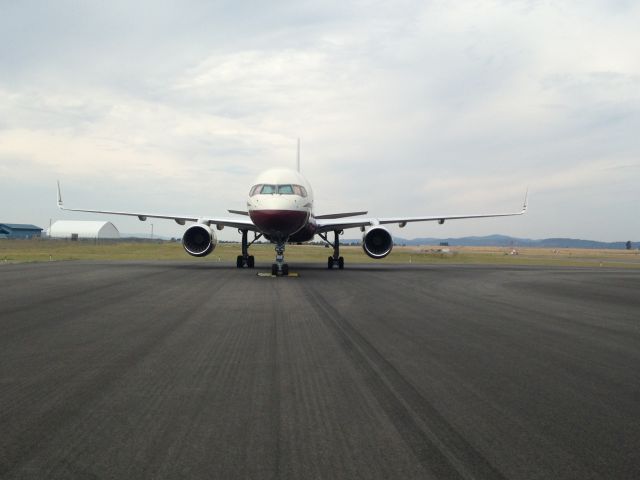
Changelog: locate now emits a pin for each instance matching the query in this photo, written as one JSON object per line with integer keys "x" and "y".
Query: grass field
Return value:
{"x": 40, "y": 250}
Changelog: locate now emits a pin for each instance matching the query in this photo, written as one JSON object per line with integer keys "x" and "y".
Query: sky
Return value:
{"x": 402, "y": 108}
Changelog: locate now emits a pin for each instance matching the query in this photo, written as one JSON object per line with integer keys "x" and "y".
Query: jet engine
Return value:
{"x": 199, "y": 240}
{"x": 377, "y": 242}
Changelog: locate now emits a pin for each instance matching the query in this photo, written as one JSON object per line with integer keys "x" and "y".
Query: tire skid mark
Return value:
{"x": 276, "y": 383}
{"x": 155, "y": 395}
{"x": 30, "y": 441}
{"x": 90, "y": 284}
{"x": 620, "y": 331}
{"x": 231, "y": 376}
{"x": 31, "y": 276}
{"x": 208, "y": 361}
{"x": 59, "y": 284}
{"x": 310, "y": 426}
{"x": 307, "y": 414}
{"x": 220, "y": 362}
{"x": 21, "y": 391}
{"x": 534, "y": 440}
{"x": 436, "y": 444}
{"x": 27, "y": 324}
{"x": 465, "y": 311}
{"x": 528, "y": 317}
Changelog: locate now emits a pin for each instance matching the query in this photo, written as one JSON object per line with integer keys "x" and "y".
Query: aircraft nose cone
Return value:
{"x": 279, "y": 223}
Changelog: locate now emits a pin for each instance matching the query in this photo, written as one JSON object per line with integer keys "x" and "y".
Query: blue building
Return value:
{"x": 17, "y": 230}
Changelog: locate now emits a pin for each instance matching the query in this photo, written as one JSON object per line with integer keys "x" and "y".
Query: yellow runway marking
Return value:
{"x": 265, "y": 274}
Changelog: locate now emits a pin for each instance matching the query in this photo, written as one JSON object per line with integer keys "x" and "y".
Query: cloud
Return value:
{"x": 414, "y": 108}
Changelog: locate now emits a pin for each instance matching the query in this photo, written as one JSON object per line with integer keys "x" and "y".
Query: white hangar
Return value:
{"x": 78, "y": 230}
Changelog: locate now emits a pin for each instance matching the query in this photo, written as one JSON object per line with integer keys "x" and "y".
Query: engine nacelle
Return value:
{"x": 377, "y": 242}
{"x": 199, "y": 240}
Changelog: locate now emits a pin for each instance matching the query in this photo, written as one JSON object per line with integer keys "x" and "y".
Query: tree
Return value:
{"x": 628, "y": 245}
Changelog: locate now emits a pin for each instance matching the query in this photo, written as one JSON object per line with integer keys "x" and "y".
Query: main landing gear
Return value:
{"x": 335, "y": 260}
{"x": 245, "y": 260}
{"x": 280, "y": 269}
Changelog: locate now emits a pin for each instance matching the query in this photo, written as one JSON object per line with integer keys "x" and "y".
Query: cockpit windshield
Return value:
{"x": 285, "y": 189}
{"x": 299, "y": 190}
{"x": 268, "y": 189}
{"x": 279, "y": 189}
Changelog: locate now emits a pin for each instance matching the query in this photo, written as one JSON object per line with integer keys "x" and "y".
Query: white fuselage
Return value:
{"x": 280, "y": 204}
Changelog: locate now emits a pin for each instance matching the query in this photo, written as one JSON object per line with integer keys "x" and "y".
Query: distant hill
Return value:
{"x": 488, "y": 241}
{"x": 506, "y": 241}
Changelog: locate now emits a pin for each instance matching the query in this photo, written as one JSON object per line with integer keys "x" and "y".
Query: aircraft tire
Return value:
{"x": 274, "y": 269}
{"x": 285, "y": 269}
{"x": 239, "y": 261}
{"x": 341, "y": 263}
{"x": 330, "y": 263}
{"x": 251, "y": 262}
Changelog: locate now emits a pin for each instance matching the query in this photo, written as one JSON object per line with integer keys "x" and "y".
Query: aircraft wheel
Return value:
{"x": 285, "y": 269}
{"x": 274, "y": 269}
{"x": 239, "y": 261}
{"x": 251, "y": 262}
{"x": 330, "y": 263}
{"x": 341, "y": 263}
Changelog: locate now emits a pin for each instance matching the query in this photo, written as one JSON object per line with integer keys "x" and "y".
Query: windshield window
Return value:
{"x": 285, "y": 189}
{"x": 281, "y": 189}
{"x": 299, "y": 190}
{"x": 268, "y": 189}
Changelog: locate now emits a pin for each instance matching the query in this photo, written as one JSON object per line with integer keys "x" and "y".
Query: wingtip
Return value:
{"x": 526, "y": 199}
{"x": 59, "y": 195}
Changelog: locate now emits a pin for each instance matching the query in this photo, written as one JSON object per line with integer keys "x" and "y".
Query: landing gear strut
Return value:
{"x": 280, "y": 268}
{"x": 335, "y": 259}
{"x": 245, "y": 260}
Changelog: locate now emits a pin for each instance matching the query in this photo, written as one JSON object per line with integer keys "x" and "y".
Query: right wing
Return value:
{"x": 327, "y": 225}
{"x": 219, "y": 222}
{"x": 339, "y": 215}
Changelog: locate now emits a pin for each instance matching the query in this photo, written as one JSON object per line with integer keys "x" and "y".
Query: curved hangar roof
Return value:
{"x": 83, "y": 229}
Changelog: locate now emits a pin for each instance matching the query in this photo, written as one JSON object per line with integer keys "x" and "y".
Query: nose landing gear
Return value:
{"x": 280, "y": 269}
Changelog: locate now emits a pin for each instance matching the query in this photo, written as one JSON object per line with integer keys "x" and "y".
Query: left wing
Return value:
{"x": 241, "y": 223}
{"x": 327, "y": 226}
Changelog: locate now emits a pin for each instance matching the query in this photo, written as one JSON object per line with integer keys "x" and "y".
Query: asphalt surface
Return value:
{"x": 199, "y": 370}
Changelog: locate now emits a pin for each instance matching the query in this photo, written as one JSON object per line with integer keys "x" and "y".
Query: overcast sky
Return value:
{"x": 416, "y": 108}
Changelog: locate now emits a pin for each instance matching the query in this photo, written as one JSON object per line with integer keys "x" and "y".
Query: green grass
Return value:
{"x": 41, "y": 250}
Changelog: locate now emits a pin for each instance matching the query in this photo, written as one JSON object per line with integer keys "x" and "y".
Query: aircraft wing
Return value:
{"x": 331, "y": 225}
{"x": 339, "y": 215}
{"x": 241, "y": 223}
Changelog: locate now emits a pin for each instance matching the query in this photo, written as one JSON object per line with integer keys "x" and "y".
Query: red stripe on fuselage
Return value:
{"x": 279, "y": 224}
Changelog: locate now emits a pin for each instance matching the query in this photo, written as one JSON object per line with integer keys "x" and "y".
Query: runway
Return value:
{"x": 200, "y": 370}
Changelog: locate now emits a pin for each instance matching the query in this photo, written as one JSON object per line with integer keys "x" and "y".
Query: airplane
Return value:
{"x": 280, "y": 209}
